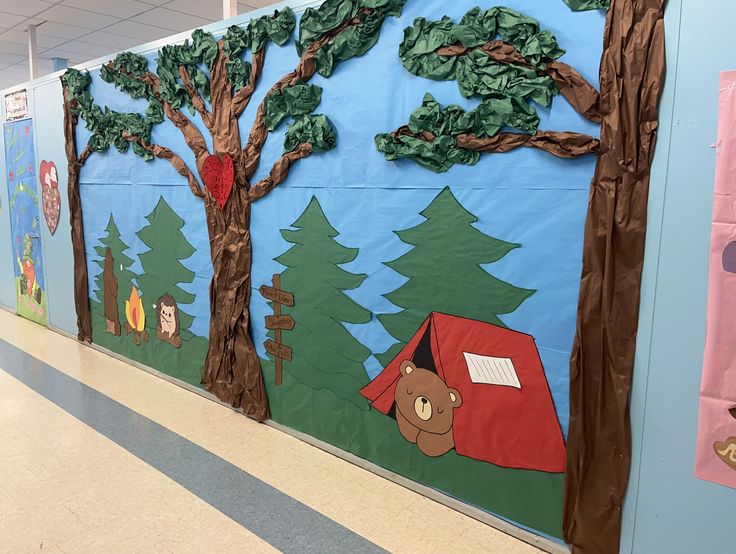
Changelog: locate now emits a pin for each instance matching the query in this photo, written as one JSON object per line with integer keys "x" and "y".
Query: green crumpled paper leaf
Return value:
{"x": 352, "y": 42}
{"x": 316, "y": 130}
{"x": 479, "y": 75}
{"x": 277, "y": 28}
{"x": 238, "y": 72}
{"x": 439, "y": 155}
{"x": 583, "y": 5}
{"x": 475, "y": 72}
{"x": 254, "y": 36}
{"x": 296, "y": 100}
{"x": 485, "y": 121}
{"x": 126, "y": 68}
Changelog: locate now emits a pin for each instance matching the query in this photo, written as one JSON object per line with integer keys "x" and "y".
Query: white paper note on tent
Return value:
{"x": 488, "y": 370}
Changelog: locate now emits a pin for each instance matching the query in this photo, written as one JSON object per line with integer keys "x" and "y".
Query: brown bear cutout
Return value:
{"x": 425, "y": 409}
{"x": 167, "y": 320}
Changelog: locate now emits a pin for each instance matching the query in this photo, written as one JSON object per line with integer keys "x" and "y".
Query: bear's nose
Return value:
{"x": 424, "y": 400}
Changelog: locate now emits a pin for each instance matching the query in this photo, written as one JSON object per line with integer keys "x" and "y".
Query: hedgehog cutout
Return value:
{"x": 167, "y": 320}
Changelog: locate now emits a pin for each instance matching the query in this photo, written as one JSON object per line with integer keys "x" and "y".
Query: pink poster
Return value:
{"x": 716, "y": 449}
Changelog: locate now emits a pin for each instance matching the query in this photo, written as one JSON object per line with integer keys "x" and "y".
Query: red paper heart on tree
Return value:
{"x": 218, "y": 175}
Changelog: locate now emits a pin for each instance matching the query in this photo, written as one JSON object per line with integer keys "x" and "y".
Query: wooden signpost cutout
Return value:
{"x": 278, "y": 323}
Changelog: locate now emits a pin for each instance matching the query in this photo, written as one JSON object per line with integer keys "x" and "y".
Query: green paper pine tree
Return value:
{"x": 162, "y": 267}
{"x": 326, "y": 355}
{"x": 445, "y": 273}
{"x": 122, "y": 266}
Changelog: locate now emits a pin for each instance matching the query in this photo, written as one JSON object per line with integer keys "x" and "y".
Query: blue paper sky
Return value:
{"x": 526, "y": 196}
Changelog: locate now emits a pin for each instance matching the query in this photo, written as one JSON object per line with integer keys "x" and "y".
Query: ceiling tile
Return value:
{"x": 116, "y": 8}
{"x": 25, "y": 7}
{"x": 21, "y": 37}
{"x": 8, "y": 59}
{"x": 13, "y": 48}
{"x": 91, "y": 54}
{"x": 10, "y": 20}
{"x": 169, "y": 19}
{"x": 45, "y": 65}
{"x": 82, "y": 49}
{"x": 207, "y": 10}
{"x": 110, "y": 39}
{"x": 62, "y": 30}
{"x": 80, "y": 18}
{"x": 139, "y": 31}
{"x": 9, "y": 79}
{"x": 261, "y": 3}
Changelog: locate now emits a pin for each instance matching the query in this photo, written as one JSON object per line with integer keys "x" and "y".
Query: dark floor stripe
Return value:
{"x": 275, "y": 517}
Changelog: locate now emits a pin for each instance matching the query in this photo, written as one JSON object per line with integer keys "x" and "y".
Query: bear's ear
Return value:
{"x": 407, "y": 366}
{"x": 455, "y": 399}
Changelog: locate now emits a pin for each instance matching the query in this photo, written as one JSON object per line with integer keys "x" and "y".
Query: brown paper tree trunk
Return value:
{"x": 232, "y": 370}
{"x": 601, "y": 369}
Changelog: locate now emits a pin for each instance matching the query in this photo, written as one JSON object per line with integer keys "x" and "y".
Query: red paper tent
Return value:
{"x": 507, "y": 415}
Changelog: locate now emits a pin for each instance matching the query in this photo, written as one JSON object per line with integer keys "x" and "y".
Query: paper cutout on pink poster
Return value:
{"x": 716, "y": 448}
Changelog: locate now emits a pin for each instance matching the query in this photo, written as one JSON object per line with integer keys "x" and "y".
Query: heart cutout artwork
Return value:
{"x": 218, "y": 175}
{"x": 51, "y": 197}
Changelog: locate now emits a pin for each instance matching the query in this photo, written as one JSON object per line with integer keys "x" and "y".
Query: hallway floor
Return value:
{"x": 99, "y": 456}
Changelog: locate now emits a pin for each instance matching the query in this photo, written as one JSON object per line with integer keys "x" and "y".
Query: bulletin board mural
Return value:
{"x": 366, "y": 221}
{"x": 23, "y": 204}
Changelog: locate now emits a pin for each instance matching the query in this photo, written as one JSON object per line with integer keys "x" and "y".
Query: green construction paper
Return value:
{"x": 316, "y": 130}
{"x": 354, "y": 41}
{"x": 370, "y": 435}
{"x": 475, "y": 72}
{"x": 583, "y": 5}
{"x": 493, "y": 114}
{"x": 162, "y": 270}
{"x": 122, "y": 266}
{"x": 444, "y": 278}
{"x": 325, "y": 354}
{"x": 162, "y": 267}
{"x": 296, "y": 100}
{"x": 184, "y": 363}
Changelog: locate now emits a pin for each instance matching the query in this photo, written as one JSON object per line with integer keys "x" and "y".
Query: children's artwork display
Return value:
{"x": 366, "y": 220}
{"x": 716, "y": 448}
{"x": 23, "y": 203}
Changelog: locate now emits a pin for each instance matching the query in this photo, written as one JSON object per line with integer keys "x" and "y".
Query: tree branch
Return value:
{"x": 279, "y": 172}
{"x": 243, "y": 96}
{"x": 572, "y": 85}
{"x": 166, "y": 154}
{"x": 86, "y": 153}
{"x": 197, "y": 101}
{"x": 192, "y": 136}
{"x": 304, "y": 71}
{"x": 560, "y": 144}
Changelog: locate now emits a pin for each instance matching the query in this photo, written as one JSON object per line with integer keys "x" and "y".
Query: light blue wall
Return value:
{"x": 57, "y": 248}
{"x": 668, "y": 509}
